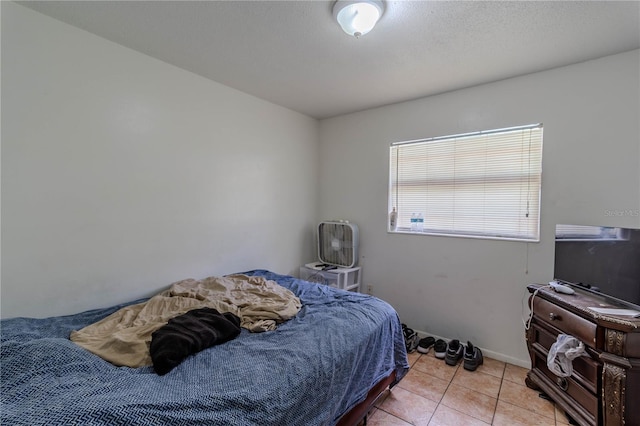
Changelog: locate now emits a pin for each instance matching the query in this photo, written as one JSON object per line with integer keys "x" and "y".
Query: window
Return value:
{"x": 484, "y": 184}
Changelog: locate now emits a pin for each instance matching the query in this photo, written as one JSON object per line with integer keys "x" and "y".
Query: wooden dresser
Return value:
{"x": 604, "y": 388}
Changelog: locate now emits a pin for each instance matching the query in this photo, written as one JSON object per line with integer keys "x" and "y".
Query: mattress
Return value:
{"x": 309, "y": 371}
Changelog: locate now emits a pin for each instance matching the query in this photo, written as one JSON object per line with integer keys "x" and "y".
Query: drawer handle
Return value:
{"x": 562, "y": 383}
{"x": 553, "y": 316}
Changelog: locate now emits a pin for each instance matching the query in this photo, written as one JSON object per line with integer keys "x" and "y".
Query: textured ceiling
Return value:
{"x": 294, "y": 54}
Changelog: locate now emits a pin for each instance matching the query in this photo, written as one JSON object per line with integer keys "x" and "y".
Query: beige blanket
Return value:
{"x": 123, "y": 338}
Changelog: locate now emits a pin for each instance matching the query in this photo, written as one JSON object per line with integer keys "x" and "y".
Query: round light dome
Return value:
{"x": 357, "y": 17}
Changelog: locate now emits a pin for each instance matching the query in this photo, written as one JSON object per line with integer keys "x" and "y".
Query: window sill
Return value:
{"x": 474, "y": 237}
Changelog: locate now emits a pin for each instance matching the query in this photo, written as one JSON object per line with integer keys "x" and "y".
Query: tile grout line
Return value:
{"x": 437, "y": 402}
{"x": 407, "y": 390}
{"x": 449, "y": 385}
{"x": 457, "y": 367}
{"x": 495, "y": 409}
{"x": 444, "y": 393}
{"x": 451, "y": 408}
{"x": 451, "y": 382}
{"x": 440, "y": 400}
{"x": 527, "y": 408}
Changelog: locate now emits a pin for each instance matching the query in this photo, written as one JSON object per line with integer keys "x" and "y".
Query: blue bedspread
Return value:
{"x": 309, "y": 371}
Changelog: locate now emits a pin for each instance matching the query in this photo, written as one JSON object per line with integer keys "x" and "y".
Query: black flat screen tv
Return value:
{"x": 604, "y": 260}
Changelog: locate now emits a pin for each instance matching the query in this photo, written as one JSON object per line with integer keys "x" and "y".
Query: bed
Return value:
{"x": 326, "y": 366}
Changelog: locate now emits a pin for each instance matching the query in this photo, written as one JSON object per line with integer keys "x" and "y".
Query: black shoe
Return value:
{"x": 454, "y": 352}
{"x": 425, "y": 344}
{"x": 472, "y": 357}
{"x": 410, "y": 338}
{"x": 440, "y": 348}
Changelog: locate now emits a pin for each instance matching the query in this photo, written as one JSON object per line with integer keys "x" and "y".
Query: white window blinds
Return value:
{"x": 484, "y": 184}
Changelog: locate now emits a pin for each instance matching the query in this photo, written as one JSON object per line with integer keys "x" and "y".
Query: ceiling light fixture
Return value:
{"x": 357, "y": 17}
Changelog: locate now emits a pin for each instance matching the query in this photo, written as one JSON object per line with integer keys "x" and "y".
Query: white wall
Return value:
{"x": 122, "y": 174}
{"x": 473, "y": 289}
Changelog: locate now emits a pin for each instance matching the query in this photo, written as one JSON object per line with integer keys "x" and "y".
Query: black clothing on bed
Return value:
{"x": 190, "y": 333}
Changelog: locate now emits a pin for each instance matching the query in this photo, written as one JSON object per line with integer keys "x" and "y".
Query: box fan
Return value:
{"x": 338, "y": 254}
{"x": 338, "y": 244}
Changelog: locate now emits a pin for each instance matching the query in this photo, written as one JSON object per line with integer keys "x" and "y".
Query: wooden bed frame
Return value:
{"x": 360, "y": 411}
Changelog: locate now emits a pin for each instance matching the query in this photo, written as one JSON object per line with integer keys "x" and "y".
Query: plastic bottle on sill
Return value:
{"x": 420, "y": 221}
{"x": 414, "y": 222}
{"x": 393, "y": 220}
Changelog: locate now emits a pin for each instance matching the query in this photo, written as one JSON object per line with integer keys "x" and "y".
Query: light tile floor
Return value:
{"x": 436, "y": 394}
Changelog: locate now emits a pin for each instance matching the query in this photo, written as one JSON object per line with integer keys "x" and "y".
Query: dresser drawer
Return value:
{"x": 566, "y": 322}
{"x": 578, "y": 394}
{"x": 604, "y": 388}
{"x": 586, "y": 370}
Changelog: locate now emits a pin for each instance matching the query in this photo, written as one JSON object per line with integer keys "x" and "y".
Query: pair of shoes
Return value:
{"x": 440, "y": 348}
{"x": 472, "y": 357}
{"x": 454, "y": 352}
{"x": 410, "y": 338}
{"x": 425, "y": 344}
